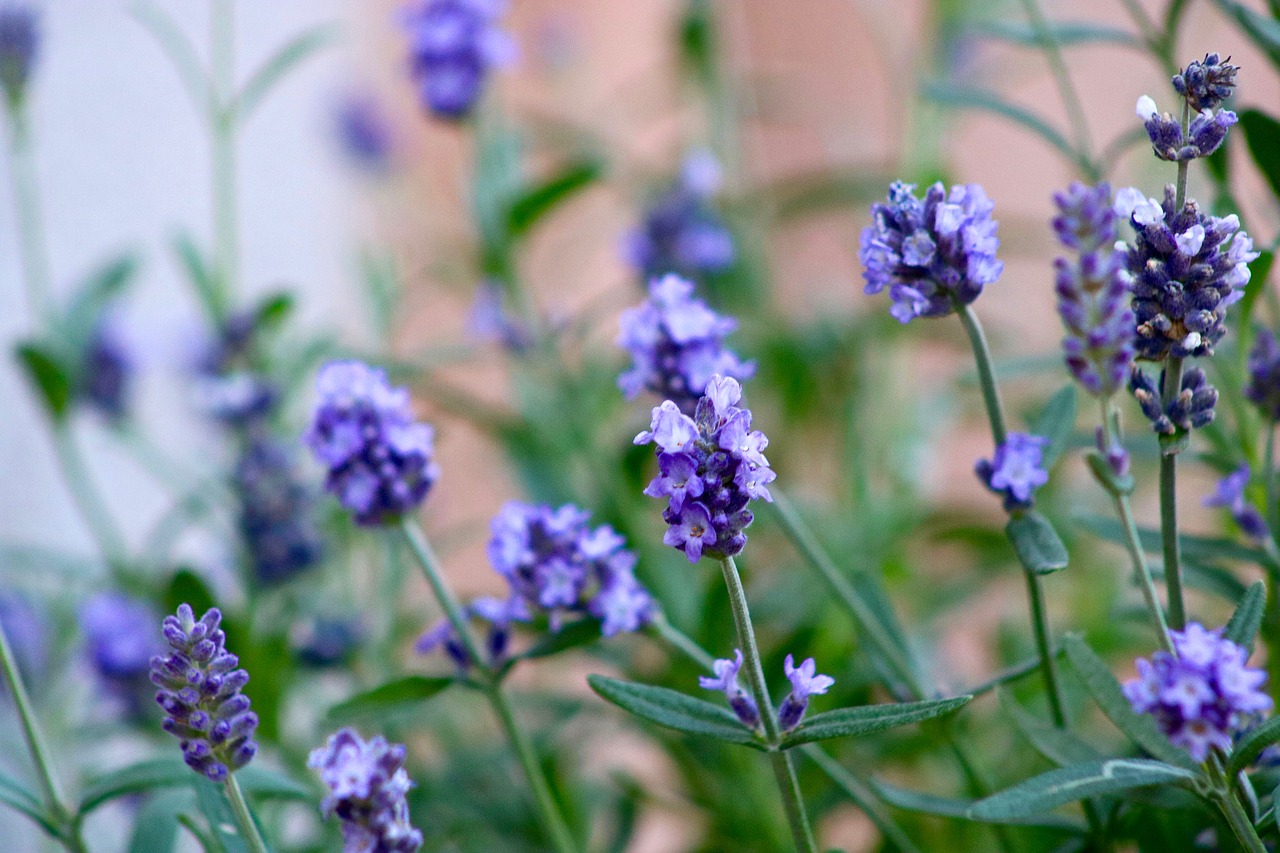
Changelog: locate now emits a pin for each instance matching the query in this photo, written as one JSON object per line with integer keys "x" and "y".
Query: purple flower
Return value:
{"x": 682, "y": 233}
{"x": 277, "y": 513}
{"x": 1093, "y": 291}
{"x": 1206, "y": 83}
{"x": 1016, "y": 470}
{"x": 120, "y": 635}
{"x": 453, "y": 44}
{"x": 1264, "y": 375}
{"x": 805, "y": 682}
{"x": 726, "y": 681}
{"x": 1186, "y": 267}
{"x": 711, "y": 466}
{"x": 28, "y": 631}
{"x": 364, "y": 131}
{"x": 1230, "y": 495}
{"x": 106, "y": 371}
{"x": 1191, "y": 409}
{"x": 19, "y": 46}
{"x": 200, "y": 693}
{"x": 367, "y": 785}
{"x": 1201, "y": 694}
{"x": 676, "y": 344}
{"x": 380, "y": 460}
{"x": 326, "y": 640}
{"x": 1204, "y": 135}
{"x": 933, "y": 254}
{"x": 489, "y": 321}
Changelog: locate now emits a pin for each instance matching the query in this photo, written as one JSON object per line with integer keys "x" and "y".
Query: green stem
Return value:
{"x": 552, "y": 821}
{"x": 1048, "y": 664}
{"x": 93, "y": 508}
{"x": 222, "y": 129}
{"x": 67, "y": 830}
{"x": 986, "y": 373}
{"x": 1170, "y": 547}
{"x": 1066, "y": 89}
{"x": 1180, "y": 188}
{"x": 1245, "y": 832}
{"x": 801, "y": 832}
{"x": 793, "y": 524}
{"x": 35, "y": 257}
{"x": 1271, "y": 510}
{"x": 244, "y": 817}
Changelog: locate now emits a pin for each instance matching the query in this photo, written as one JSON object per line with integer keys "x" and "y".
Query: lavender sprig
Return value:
{"x": 681, "y": 232}
{"x": 367, "y": 785}
{"x": 454, "y": 44}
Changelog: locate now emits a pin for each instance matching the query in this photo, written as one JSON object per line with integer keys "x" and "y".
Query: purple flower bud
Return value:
{"x": 1016, "y": 470}
{"x": 364, "y": 131}
{"x": 805, "y": 682}
{"x": 19, "y": 46}
{"x": 106, "y": 371}
{"x": 277, "y": 513}
{"x": 1206, "y": 83}
{"x": 726, "y": 681}
{"x": 453, "y": 44}
{"x": 1192, "y": 408}
{"x": 367, "y": 785}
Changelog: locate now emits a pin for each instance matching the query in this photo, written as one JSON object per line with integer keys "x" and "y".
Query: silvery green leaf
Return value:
{"x": 674, "y": 710}
{"x": 1036, "y": 542}
{"x": 869, "y": 718}
{"x": 1068, "y": 784}
{"x": 1247, "y": 618}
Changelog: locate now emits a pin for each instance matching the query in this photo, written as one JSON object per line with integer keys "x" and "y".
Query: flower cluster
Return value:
{"x": 1093, "y": 290}
{"x": 711, "y": 466}
{"x": 934, "y": 254}
{"x": 805, "y": 682}
{"x": 228, "y": 388}
{"x": 1229, "y": 494}
{"x": 1206, "y": 84}
{"x": 489, "y": 320}
{"x": 1186, "y": 267}
{"x": 19, "y": 44}
{"x": 200, "y": 694}
{"x": 682, "y": 232}
{"x": 1202, "y": 693}
{"x": 277, "y": 519}
{"x": 1263, "y": 388}
{"x": 1016, "y": 470}
{"x": 380, "y": 461}
{"x": 453, "y": 45}
{"x": 364, "y": 131}
{"x": 367, "y": 785}
{"x": 676, "y": 344}
{"x": 1192, "y": 408}
{"x": 120, "y": 639}
{"x": 106, "y": 372}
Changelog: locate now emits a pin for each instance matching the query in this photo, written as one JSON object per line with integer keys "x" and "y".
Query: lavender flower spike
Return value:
{"x": 1093, "y": 290}
{"x": 1263, "y": 389}
{"x": 1230, "y": 495}
{"x": 1016, "y": 470}
{"x": 1206, "y": 83}
{"x": 200, "y": 694}
{"x": 367, "y": 785}
{"x": 805, "y": 682}
{"x": 1201, "y": 695}
{"x": 380, "y": 460}
{"x": 726, "y": 680}
{"x": 712, "y": 466}
{"x": 1191, "y": 409}
{"x": 1186, "y": 267}
{"x": 454, "y": 44}
{"x": 933, "y": 254}
{"x": 676, "y": 344}
{"x": 682, "y": 232}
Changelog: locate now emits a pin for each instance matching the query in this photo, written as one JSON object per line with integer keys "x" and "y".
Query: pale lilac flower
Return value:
{"x": 726, "y": 681}
{"x": 1016, "y": 470}
{"x": 367, "y": 785}
{"x": 1229, "y": 494}
{"x": 805, "y": 682}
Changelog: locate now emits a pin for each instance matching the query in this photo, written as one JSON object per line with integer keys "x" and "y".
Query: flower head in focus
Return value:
{"x": 1016, "y": 470}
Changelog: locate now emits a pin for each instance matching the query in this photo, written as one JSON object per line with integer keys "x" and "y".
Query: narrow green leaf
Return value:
{"x": 1057, "y": 745}
{"x": 216, "y": 809}
{"x": 155, "y": 829}
{"x": 1106, "y": 691}
{"x": 95, "y": 294}
{"x": 274, "y": 309}
{"x": 50, "y": 376}
{"x": 1193, "y": 547}
{"x": 674, "y": 710}
{"x": 142, "y": 776}
{"x": 869, "y": 718}
{"x": 1249, "y": 747}
{"x": 535, "y": 203}
{"x": 1036, "y": 542}
{"x": 971, "y": 97}
{"x": 21, "y": 798}
{"x": 201, "y": 275}
{"x": 1064, "y": 33}
{"x": 1247, "y": 618}
{"x": 572, "y": 636}
{"x": 394, "y": 696}
{"x": 1056, "y": 422}
{"x": 180, "y": 51}
{"x": 1068, "y": 784}
{"x": 933, "y": 804}
{"x": 1106, "y": 475}
{"x": 1262, "y": 134}
{"x": 1264, "y": 30}
{"x": 266, "y": 784}
{"x": 278, "y": 66}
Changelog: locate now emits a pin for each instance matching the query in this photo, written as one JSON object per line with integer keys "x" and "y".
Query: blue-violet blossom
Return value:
{"x": 682, "y": 232}
{"x": 1016, "y": 470}
{"x": 805, "y": 682}
{"x": 711, "y": 466}
{"x": 1093, "y": 290}
{"x": 1263, "y": 388}
{"x": 1229, "y": 494}
{"x": 367, "y": 785}
{"x": 120, "y": 636}
{"x": 676, "y": 344}
{"x": 19, "y": 45}
{"x": 381, "y": 461}
{"x": 277, "y": 513}
{"x": 1201, "y": 694}
{"x": 726, "y": 681}
{"x": 1206, "y": 83}
{"x": 933, "y": 254}
{"x": 200, "y": 688}
{"x": 453, "y": 45}
{"x": 1192, "y": 408}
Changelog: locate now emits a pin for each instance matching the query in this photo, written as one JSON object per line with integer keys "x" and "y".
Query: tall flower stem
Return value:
{"x": 784, "y": 770}
{"x": 1239, "y": 821}
{"x": 68, "y": 832}
{"x": 1132, "y": 541}
{"x": 223, "y": 124}
{"x": 552, "y": 821}
{"x": 986, "y": 373}
{"x": 244, "y": 817}
{"x": 35, "y": 258}
{"x": 1170, "y": 547}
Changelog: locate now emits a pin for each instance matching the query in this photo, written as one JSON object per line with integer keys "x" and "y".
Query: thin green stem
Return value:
{"x": 453, "y": 611}
{"x": 1170, "y": 546}
{"x": 801, "y": 831}
{"x": 1066, "y": 89}
{"x": 68, "y": 832}
{"x": 244, "y": 817}
{"x": 1048, "y": 663}
{"x": 793, "y": 524}
{"x": 554, "y": 824}
{"x": 222, "y": 130}
{"x": 986, "y": 372}
{"x": 1180, "y": 188}
{"x": 92, "y": 506}
{"x": 26, "y": 197}
{"x": 1271, "y": 510}
{"x": 1241, "y": 826}
{"x": 784, "y": 770}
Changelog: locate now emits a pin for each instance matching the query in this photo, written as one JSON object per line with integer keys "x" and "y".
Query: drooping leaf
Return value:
{"x": 869, "y": 718}
{"x": 216, "y": 809}
{"x": 533, "y": 204}
{"x": 1036, "y": 542}
{"x": 273, "y": 310}
{"x": 50, "y": 376}
{"x": 394, "y": 696}
{"x": 1057, "y": 745}
{"x": 134, "y": 778}
{"x": 1247, "y": 618}
{"x": 1106, "y": 691}
{"x": 99, "y": 289}
{"x": 1064, "y": 33}
{"x": 1056, "y": 422}
{"x": 1262, "y": 135}
{"x": 674, "y": 710}
{"x": 933, "y": 804}
{"x": 278, "y": 66}
{"x": 1249, "y": 747}
{"x": 1068, "y": 784}
{"x": 18, "y": 796}
{"x": 572, "y": 636}
{"x": 972, "y": 97}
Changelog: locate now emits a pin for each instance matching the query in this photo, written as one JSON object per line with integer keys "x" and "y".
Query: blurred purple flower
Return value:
{"x": 682, "y": 232}
{"x": 726, "y": 681}
{"x": 365, "y": 132}
{"x": 19, "y": 48}
{"x": 805, "y": 682}
{"x": 1016, "y": 470}
{"x": 277, "y": 513}
{"x": 1229, "y": 495}
{"x": 453, "y": 45}
{"x": 367, "y": 785}
{"x": 1263, "y": 388}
